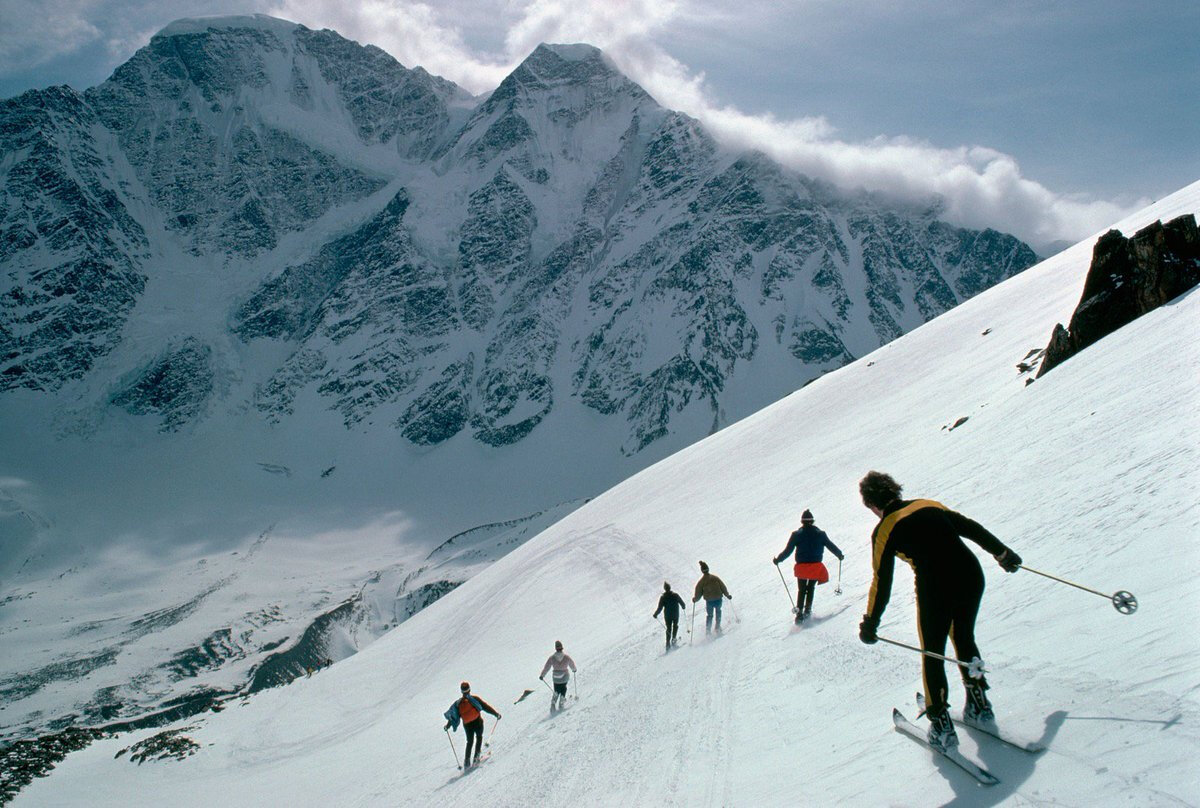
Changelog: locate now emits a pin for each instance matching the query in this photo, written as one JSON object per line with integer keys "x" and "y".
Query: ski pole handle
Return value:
{"x": 974, "y": 668}
{"x": 1124, "y": 602}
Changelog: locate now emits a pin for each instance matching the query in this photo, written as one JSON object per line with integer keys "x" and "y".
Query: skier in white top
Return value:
{"x": 559, "y": 661}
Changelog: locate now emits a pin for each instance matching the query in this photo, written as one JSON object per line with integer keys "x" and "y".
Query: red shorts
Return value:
{"x": 812, "y": 571}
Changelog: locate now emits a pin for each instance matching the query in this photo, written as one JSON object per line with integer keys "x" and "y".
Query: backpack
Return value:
{"x": 467, "y": 710}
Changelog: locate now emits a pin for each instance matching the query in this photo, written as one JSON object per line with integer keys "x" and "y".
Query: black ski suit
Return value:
{"x": 949, "y": 581}
{"x": 669, "y": 604}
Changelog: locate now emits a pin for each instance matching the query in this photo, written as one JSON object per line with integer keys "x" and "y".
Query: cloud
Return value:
{"x": 61, "y": 27}
{"x": 413, "y": 32}
{"x": 981, "y": 187}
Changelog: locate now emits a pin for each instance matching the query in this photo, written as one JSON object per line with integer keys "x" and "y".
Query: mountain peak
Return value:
{"x": 578, "y": 63}
{"x": 200, "y": 25}
{"x": 571, "y": 52}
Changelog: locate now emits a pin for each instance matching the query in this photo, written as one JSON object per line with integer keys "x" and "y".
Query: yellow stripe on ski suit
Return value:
{"x": 884, "y": 532}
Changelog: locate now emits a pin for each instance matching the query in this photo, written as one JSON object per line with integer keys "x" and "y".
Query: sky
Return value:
{"x": 1048, "y": 120}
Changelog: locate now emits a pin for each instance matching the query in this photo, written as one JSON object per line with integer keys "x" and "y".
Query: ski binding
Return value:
{"x": 953, "y": 755}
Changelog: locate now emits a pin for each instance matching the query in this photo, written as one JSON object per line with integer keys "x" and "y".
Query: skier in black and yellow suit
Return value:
{"x": 949, "y": 584}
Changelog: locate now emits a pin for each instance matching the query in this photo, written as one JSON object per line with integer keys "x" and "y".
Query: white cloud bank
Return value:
{"x": 981, "y": 186}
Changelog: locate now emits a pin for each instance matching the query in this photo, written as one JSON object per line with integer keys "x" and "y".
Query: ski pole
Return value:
{"x": 692, "y": 626}
{"x": 547, "y": 684}
{"x": 493, "y": 732}
{"x": 575, "y": 680}
{"x": 1124, "y": 602}
{"x": 452, "y": 749}
{"x": 837, "y": 590}
{"x": 785, "y": 588}
{"x": 733, "y": 609}
{"x": 974, "y": 668}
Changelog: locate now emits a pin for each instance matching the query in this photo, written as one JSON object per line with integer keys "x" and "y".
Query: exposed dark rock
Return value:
{"x": 177, "y": 386}
{"x": 423, "y": 596}
{"x": 310, "y": 652}
{"x": 1129, "y": 277}
{"x": 22, "y": 761}
{"x": 171, "y": 743}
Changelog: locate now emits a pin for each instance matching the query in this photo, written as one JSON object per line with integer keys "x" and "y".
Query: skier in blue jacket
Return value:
{"x": 809, "y": 542}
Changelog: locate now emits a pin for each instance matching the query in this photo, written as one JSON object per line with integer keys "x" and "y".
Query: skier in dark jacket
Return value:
{"x": 469, "y": 709}
{"x": 669, "y": 604}
{"x": 809, "y": 542}
{"x": 949, "y": 584}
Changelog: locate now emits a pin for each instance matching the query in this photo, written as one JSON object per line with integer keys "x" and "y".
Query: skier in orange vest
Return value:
{"x": 469, "y": 709}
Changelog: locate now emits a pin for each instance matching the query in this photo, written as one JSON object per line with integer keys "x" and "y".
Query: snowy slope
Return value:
{"x": 268, "y": 296}
{"x": 1089, "y": 473}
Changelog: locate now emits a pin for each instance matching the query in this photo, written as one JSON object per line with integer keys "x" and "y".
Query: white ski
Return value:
{"x": 990, "y": 728}
{"x": 953, "y": 755}
{"x": 1024, "y": 744}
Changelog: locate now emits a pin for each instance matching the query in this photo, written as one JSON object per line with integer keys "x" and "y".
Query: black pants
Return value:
{"x": 805, "y": 587}
{"x": 946, "y": 608}
{"x": 672, "y": 628}
{"x": 474, "y": 731}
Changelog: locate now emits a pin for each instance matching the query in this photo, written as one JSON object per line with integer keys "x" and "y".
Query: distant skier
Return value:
{"x": 669, "y": 605}
{"x": 712, "y": 589}
{"x": 559, "y": 662}
{"x": 949, "y": 584}
{"x": 469, "y": 709}
{"x": 809, "y": 542}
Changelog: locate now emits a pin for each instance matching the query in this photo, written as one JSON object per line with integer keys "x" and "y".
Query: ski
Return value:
{"x": 953, "y": 755}
{"x": 991, "y": 729}
{"x": 484, "y": 758}
{"x": 1024, "y": 744}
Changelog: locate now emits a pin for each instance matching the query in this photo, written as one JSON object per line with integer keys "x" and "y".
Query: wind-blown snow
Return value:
{"x": 198, "y": 25}
{"x": 1090, "y": 473}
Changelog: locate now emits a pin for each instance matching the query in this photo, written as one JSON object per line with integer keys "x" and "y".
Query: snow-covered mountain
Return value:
{"x": 269, "y": 297}
{"x": 421, "y": 257}
{"x": 1089, "y": 473}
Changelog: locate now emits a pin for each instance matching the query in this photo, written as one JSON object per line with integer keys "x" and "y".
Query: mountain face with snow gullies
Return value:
{"x": 295, "y": 339}
{"x": 1089, "y": 474}
{"x": 431, "y": 262}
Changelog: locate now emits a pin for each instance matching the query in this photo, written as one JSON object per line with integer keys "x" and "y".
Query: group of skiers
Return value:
{"x": 923, "y": 533}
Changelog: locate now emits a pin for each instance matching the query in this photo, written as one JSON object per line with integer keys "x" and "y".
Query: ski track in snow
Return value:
{"x": 1090, "y": 473}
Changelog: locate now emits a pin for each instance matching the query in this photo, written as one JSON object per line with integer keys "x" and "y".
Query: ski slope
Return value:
{"x": 1090, "y": 473}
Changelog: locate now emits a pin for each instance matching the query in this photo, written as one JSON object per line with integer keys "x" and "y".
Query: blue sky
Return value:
{"x": 1049, "y": 119}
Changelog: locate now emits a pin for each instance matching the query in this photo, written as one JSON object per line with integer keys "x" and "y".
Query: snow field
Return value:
{"x": 1090, "y": 473}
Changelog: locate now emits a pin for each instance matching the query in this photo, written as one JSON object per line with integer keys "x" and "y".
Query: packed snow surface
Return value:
{"x": 1090, "y": 474}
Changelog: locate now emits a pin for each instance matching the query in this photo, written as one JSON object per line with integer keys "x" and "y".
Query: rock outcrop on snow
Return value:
{"x": 1127, "y": 278}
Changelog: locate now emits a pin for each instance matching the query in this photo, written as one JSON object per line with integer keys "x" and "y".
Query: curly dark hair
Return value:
{"x": 878, "y": 489}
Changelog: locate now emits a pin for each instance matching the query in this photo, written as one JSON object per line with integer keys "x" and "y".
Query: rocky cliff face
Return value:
{"x": 71, "y": 254}
{"x": 565, "y": 242}
{"x": 1128, "y": 278}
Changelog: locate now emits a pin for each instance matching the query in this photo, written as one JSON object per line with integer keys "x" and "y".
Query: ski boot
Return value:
{"x": 978, "y": 709}
{"x": 942, "y": 736}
